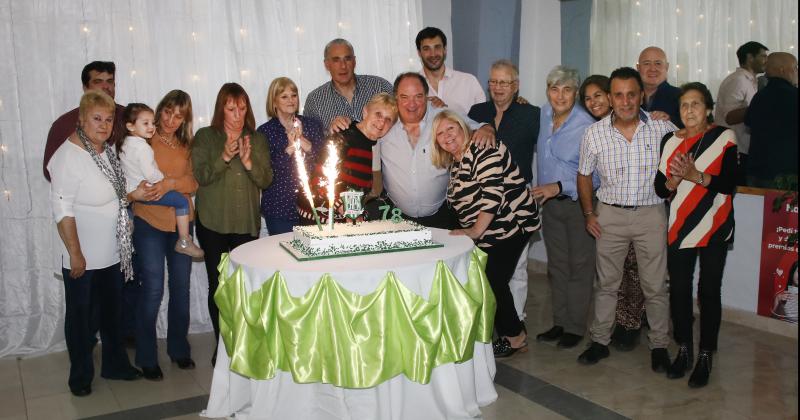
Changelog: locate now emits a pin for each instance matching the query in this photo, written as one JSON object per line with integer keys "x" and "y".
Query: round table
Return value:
{"x": 454, "y": 390}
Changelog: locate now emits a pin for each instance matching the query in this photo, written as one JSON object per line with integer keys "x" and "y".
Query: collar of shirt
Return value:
{"x": 747, "y": 74}
{"x": 644, "y": 118}
{"x": 333, "y": 90}
{"x": 448, "y": 73}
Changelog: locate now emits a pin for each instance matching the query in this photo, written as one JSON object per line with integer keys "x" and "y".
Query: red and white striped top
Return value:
{"x": 701, "y": 215}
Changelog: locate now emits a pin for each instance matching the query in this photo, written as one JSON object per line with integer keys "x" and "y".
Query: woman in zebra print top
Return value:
{"x": 495, "y": 209}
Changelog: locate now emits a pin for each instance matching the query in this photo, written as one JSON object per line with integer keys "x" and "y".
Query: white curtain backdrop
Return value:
{"x": 700, "y": 37}
{"x": 157, "y": 45}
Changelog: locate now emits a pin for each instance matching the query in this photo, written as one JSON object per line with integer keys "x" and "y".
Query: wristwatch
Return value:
{"x": 700, "y": 178}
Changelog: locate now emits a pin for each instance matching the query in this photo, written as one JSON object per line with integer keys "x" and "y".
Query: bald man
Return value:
{"x": 659, "y": 95}
{"x": 772, "y": 118}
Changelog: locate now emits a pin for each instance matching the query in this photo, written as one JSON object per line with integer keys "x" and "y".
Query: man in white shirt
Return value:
{"x": 414, "y": 185}
{"x": 735, "y": 93}
{"x": 448, "y": 88}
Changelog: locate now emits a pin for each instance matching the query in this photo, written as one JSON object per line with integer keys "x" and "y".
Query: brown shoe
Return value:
{"x": 187, "y": 247}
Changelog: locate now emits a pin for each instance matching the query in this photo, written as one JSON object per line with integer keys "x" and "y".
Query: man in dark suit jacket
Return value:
{"x": 659, "y": 95}
{"x": 772, "y": 118}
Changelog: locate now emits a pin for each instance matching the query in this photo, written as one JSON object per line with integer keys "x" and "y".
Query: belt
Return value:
{"x": 561, "y": 197}
{"x": 620, "y": 206}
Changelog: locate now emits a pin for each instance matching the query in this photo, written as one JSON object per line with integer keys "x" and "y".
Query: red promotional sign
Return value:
{"x": 777, "y": 290}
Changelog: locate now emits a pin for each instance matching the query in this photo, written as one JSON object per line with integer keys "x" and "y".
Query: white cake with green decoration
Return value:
{"x": 347, "y": 239}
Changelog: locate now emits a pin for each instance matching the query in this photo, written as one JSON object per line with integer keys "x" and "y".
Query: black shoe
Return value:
{"x": 82, "y": 392}
{"x": 552, "y": 334}
{"x": 682, "y": 362}
{"x": 153, "y": 373}
{"x": 184, "y": 363}
{"x": 131, "y": 374}
{"x": 701, "y": 371}
{"x": 626, "y": 339}
{"x": 618, "y": 330}
{"x": 659, "y": 360}
{"x": 593, "y": 354}
{"x": 502, "y": 348}
{"x": 569, "y": 340}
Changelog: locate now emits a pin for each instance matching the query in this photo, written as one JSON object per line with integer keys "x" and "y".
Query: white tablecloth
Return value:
{"x": 456, "y": 391}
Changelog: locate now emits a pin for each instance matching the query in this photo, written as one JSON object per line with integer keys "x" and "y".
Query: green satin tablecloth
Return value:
{"x": 331, "y": 335}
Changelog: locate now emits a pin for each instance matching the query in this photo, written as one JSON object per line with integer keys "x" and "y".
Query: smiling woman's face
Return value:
{"x": 596, "y": 101}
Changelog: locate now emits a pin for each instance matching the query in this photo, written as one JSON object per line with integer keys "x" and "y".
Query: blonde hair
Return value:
{"x": 95, "y": 99}
{"x": 277, "y": 87}
{"x": 439, "y": 157}
{"x": 177, "y": 98}
{"x": 385, "y": 100}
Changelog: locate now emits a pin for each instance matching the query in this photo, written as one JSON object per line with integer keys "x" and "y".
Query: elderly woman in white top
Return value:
{"x": 89, "y": 200}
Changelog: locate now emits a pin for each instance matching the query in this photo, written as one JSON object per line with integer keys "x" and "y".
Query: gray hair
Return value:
{"x": 508, "y": 65}
{"x": 563, "y": 75}
{"x": 338, "y": 41}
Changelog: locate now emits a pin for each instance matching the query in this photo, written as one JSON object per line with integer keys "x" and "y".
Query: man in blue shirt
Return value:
{"x": 570, "y": 249}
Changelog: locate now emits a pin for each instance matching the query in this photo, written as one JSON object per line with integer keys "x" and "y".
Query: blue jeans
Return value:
{"x": 92, "y": 300}
{"x": 173, "y": 199}
{"x": 153, "y": 248}
{"x": 278, "y": 225}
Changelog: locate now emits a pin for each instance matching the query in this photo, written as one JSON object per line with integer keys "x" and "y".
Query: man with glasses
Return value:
{"x": 448, "y": 88}
{"x": 517, "y": 126}
{"x": 346, "y": 93}
{"x": 97, "y": 75}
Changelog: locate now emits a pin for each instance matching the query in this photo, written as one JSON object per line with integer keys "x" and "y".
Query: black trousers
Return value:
{"x": 680, "y": 264}
{"x": 444, "y": 218}
{"x": 500, "y": 267}
{"x": 93, "y": 301}
{"x": 214, "y": 244}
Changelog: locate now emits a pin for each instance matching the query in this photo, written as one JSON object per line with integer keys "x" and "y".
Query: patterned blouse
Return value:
{"x": 699, "y": 215}
{"x": 279, "y": 199}
{"x": 488, "y": 180}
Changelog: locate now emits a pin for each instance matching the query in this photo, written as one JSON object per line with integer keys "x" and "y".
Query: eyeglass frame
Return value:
{"x": 501, "y": 83}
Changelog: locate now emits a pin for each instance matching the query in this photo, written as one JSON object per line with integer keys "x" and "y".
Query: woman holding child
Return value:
{"x": 156, "y": 238}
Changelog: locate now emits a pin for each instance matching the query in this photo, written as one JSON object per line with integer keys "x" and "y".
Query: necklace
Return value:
{"x": 697, "y": 148}
{"x": 170, "y": 144}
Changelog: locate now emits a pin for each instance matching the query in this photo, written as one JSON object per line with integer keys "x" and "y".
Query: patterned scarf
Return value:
{"x": 114, "y": 175}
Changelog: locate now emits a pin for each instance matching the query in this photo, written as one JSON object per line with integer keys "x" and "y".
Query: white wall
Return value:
{"x": 436, "y": 13}
{"x": 539, "y": 51}
{"x": 539, "y": 46}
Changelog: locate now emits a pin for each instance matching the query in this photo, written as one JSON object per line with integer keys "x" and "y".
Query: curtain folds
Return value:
{"x": 194, "y": 45}
{"x": 699, "y": 37}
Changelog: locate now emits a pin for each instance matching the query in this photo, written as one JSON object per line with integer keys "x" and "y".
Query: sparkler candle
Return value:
{"x": 330, "y": 172}
{"x": 303, "y": 174}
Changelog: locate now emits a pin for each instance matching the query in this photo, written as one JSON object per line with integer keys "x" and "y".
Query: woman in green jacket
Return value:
{"x": 231, "y": 162}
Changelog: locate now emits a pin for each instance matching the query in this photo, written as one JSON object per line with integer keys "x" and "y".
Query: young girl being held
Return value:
{"x": 139, "y": 165}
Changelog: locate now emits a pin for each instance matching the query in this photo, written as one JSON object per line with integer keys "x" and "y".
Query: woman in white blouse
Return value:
{"x": 89, "y": 200}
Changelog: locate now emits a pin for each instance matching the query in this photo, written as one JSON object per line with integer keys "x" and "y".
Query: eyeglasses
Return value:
{"x": 501, "y": 83}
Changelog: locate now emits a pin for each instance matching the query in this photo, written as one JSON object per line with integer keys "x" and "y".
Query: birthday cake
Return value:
{"x": 347, "y": 239}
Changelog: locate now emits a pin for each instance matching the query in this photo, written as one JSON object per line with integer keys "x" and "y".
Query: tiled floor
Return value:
{"x": 754, "y": 377}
